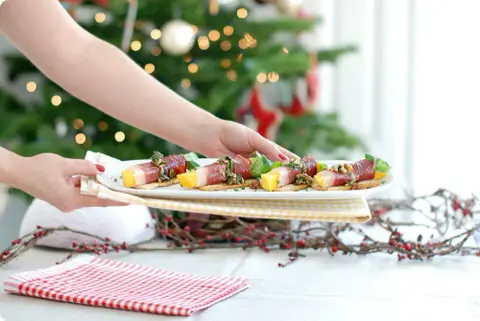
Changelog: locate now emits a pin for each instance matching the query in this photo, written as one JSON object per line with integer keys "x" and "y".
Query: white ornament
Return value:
{"x": 178, "y": 37}
{"x": 288, "y": 7}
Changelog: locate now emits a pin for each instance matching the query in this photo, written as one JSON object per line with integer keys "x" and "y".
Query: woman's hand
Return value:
{"x": 53, "y": 179}
{"x": 227, "y": 138}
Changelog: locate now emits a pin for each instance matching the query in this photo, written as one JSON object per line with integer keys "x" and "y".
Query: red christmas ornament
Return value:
{"x": 296, "y": 109}
{"x": 267, "y": 119}
{"x": 313, "y": 82}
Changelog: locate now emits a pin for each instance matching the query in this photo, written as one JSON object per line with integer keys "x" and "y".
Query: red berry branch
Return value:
{"x": 441, "y": 213}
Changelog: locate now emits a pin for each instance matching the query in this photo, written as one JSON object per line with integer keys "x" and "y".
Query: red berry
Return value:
{"x": 393, "y": 242}
{"x": 466, "y": 211}
{"x": 6, "y": 253}
{"x": 334, "y": 249}
{"x": 456, "y": 205}
{"x": 238, "y": 239}
{"x": 87, "y": 248}
{"x": 17, "y": 241}
{"x": 74, "y": 244}
{"x": 400, "y": 246}
{"x": 408, "y": 247}
{"x": 164, "y": 232}
{"x": 208, "y": 237}
{"x": 124, "y": 245}
{"x": 266, "y": 249}
{"x": 301, "y": 243}
{"x": 107, "y": 239}
{"x": 190, "y": 250}
{"x": 169, "y": 218}
{"x": 39, "y": 227}
{"x": 186, "y": 229}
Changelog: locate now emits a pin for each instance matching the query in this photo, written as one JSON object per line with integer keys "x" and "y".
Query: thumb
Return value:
{"x": 81, "y": 167}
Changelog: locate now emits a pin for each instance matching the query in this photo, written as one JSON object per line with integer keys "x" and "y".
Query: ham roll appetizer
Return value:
{"x": 363, "y": 174}
{"x": 161, "y": 171}
{"x": 297, "y": 172}
{"x": 226, "y": 173}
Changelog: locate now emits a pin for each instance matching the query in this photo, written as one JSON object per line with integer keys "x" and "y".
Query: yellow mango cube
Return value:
{"x": 319, "y": 179}
{"x": 379, "y": 175}
{"x": 270, "y": 181}
{"x": 128, "y": 178}
{"x": 188, "y": 180}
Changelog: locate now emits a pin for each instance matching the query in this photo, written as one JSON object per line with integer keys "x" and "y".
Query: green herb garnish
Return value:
{"x": 323, "y": 167}
{"x": 191, "y": 165}
{"x": 190, "y": 157}
{"x": 260, "y": 165}
{"x": 156, "y": 158}
{"x": 381, "y": 165}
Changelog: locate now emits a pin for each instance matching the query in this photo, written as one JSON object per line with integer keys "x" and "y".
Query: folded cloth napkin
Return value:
{"x": 94, "y": 281}
{"x": 353, "y": 210}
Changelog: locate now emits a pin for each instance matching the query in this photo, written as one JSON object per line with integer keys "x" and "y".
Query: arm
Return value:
{"x": 101, "y": 74}
{"x": 9, "y": 170}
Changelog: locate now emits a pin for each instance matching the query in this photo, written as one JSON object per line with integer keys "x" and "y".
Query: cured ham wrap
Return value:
{"x": 161, "y": 171}
{"x": 226, "y": 173}
{"x": 297, "y": 172}
{"x": 362, "y": 174}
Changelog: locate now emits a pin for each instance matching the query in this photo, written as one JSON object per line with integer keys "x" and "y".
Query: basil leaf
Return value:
{"x": 260, "y": 165}
{"x": 190, "y": 157}
{"x": 323, "y": 167}
{"x": 382, "y": 166}
{"x": 369, "y": 157}
{"x": 275, "y": 165}
{"x": 191, "y": 165}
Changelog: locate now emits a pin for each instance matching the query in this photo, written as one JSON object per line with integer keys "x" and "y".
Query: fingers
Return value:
{"x": 288, "y": 153}
{"x": 271, "y": 150}
{"x": 81, "y": 167}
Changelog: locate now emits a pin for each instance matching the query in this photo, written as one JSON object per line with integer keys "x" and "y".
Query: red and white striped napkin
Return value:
{"x": 91, "y": 280}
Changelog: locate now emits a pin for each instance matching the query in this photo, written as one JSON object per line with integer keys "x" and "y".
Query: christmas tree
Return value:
{"x": 210, "y": 52}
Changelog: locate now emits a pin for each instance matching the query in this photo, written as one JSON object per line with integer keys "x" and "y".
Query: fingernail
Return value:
{"x": 282, "y": 156}
{"x": 100, "y": 168}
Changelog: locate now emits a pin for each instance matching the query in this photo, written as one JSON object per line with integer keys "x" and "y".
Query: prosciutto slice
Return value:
{"x": 216, "y": 173}
{"x": 360, "y": 171}
{"x": 174, "y": 165}
{"x": 310, "y": 165}
{"x": 242, "y": 166}
{"x": 288, "y": 174}
{"x": 148, "y": 173}
{"x": 145, "y": 173}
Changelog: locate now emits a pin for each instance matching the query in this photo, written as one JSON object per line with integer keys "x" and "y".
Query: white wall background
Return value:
{"x": 412, "y": 89}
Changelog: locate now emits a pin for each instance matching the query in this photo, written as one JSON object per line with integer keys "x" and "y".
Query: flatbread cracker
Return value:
{"x": 360, "y": 185}
{"x": 225, "y": 187}
{"x": 158, "y": 184}
{"x": 292, "y": 188}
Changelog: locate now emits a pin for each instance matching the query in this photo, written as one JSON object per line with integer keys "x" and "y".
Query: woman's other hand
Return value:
{"x": 56, "y": 180}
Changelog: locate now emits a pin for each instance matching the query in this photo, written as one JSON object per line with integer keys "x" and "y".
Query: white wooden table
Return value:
{"x": 318, "y": 287}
